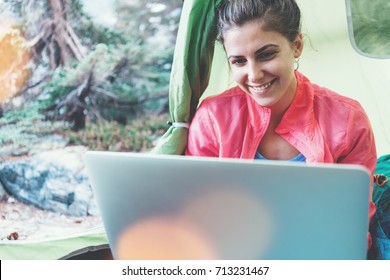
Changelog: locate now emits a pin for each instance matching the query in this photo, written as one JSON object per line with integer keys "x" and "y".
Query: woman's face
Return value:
{"x": 262, "y": 63}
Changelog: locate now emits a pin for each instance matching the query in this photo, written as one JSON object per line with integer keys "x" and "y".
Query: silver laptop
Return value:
{"x": 177, "y": 207}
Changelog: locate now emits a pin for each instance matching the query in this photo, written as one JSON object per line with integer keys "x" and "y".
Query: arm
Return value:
{"x": 360, "y": 148}
{"x": 201, "y": 136}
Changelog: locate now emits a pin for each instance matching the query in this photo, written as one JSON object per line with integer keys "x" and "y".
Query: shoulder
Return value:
{"x": 338, "y": 108}
{"x": 230, "y": 100}
{"x": 342, "y": 118}
{"x": 333, "y": 110}
{"x": 234, "y": 93}
{"x": 327, "y": 101}
{"x": 324, "y": 97}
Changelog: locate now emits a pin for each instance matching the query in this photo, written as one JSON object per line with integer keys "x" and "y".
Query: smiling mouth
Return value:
{"x": 262, "y": 87}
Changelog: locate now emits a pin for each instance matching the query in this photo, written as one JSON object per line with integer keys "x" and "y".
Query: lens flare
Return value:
{"x": 238, "y": 225}
{"x": 223, "y": 223}
{"x": 14, "y": 61}
{"x": 163, "y": 238}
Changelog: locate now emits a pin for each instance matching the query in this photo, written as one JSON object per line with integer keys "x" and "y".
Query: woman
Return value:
{"x": 275, "y": 112}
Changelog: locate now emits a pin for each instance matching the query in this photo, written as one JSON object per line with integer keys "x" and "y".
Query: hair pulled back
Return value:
{"x": 282, "y": 16}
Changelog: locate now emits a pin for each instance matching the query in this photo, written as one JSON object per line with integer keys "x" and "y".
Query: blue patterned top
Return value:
{"x": 299, "y": 158}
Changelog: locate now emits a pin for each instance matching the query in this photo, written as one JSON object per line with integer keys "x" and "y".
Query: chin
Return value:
{"x": 264, "y": 103}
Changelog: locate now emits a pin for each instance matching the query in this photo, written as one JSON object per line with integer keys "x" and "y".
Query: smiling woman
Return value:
{"x": 257, "y": 57}
{"x": 275, "y": 112}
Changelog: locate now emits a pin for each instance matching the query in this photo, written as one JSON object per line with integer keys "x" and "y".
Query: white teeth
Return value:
{"x": 261, "y": 88}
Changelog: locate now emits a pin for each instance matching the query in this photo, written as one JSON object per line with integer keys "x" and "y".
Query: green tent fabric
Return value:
{"x": 190, "y": 71}
{"x": 53, "y": 248}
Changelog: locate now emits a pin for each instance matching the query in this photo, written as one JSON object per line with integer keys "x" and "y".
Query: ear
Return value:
{"x": 298, "y": 45}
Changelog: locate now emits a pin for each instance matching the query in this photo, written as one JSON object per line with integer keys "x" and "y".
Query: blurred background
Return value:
{"x": 94, "y": 72}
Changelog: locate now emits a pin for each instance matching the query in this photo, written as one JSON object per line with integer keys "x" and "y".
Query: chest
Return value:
{"x": 273, "y": 146}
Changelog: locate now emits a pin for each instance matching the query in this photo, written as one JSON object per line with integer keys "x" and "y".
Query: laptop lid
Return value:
{"x": 177, "y": 207}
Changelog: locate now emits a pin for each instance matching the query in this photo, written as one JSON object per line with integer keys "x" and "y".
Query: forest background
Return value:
{"x": 101, "y": 84}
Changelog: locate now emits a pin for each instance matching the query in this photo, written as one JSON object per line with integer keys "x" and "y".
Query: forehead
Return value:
{"x": 250, "y": 37}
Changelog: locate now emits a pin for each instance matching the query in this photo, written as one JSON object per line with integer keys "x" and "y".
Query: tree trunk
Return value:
{"x": 59, "y": 31}
{"x": 64, "y": 39}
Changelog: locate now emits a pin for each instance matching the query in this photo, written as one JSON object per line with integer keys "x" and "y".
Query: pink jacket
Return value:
{"x": 323, "y": 125}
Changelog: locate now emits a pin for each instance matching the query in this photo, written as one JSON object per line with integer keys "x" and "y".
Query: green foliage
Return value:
{"x": 65, "y": 80}
{"x": 55, "y": 89}
{"x": 126, "y": 81}
{"x": 115, "y": 73}
{"x": 23, "y": 127}
{"x": 137, "y": 136}
{"x": 96, "y": 34}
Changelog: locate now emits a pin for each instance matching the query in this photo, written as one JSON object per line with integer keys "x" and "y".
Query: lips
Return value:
{"x": 262, "y": 88}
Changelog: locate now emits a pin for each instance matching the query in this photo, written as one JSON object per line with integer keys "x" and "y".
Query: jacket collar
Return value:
{"x": 299, "y": 125}
{"x": 300, "y": 114}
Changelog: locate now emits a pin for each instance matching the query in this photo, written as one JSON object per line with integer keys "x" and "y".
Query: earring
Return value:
{"x": 296, "y": 64}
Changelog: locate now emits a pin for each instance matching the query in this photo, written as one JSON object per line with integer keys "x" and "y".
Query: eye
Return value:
{"x": 238, "y": 61}
{"x": 268, "y": 55}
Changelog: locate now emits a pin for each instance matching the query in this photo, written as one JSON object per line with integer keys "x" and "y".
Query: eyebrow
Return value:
{"x": 263, "y": 48}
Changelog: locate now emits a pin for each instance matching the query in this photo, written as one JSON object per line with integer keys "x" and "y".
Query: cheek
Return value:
{"x": 238, "y": 75}
{"x": 282, "y": 68}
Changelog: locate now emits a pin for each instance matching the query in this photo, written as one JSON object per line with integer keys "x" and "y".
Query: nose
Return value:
{"x": 255, "y": 72}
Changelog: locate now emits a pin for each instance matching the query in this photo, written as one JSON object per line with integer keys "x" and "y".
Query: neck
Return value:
{"x": 279, "y": 109}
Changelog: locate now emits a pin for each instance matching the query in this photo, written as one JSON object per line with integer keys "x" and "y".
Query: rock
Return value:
{"x": 3, "y": 193}
{"x": 52, "y": 180}
{"x": 70, "y": 157}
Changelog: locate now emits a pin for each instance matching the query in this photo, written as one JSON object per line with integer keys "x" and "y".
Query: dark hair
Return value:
{"x": 282, "y": 16}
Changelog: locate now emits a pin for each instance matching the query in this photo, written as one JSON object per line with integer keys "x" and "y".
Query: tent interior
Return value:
{"x": 331, "y": 57}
